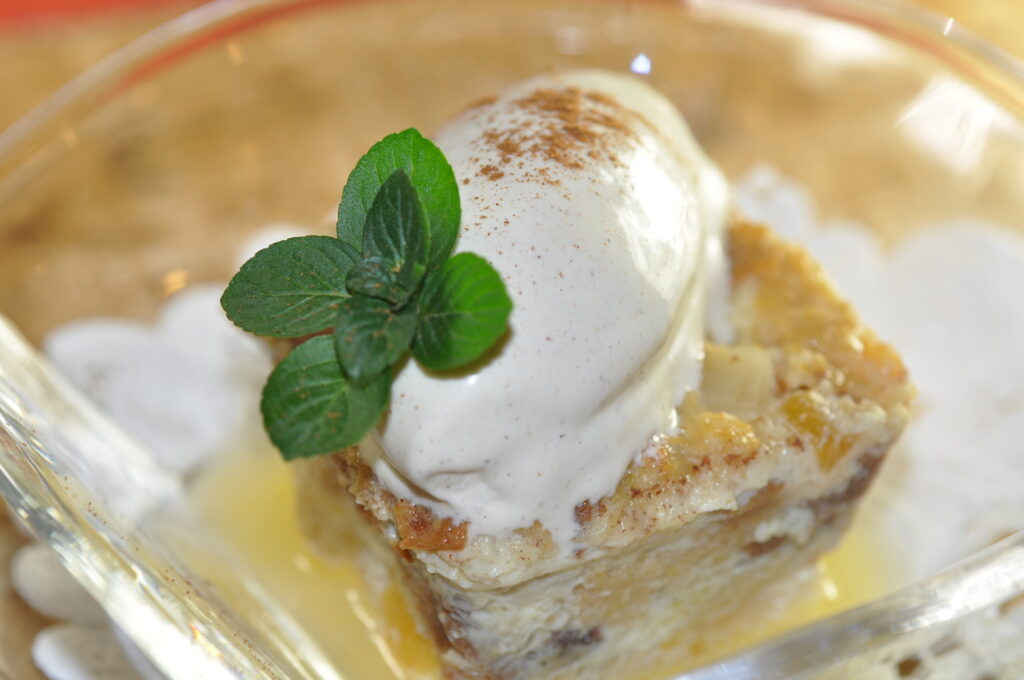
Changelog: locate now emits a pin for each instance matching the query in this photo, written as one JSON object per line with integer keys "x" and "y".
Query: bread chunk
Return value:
{"x": 785, "y": 434}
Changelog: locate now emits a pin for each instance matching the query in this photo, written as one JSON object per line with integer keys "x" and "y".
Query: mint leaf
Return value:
{"x": 464, "y": 309}
{"x": 380, "y": 279}
{"x": 369, "y": 336}
{"x": 291, "y": 288}
{"x": 309, "y": 406}
{"x": 395, "y": 234}
{"x": 430, "y": 174}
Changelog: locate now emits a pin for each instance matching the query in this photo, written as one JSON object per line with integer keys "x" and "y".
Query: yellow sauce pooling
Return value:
{"x": 364, "y": 625}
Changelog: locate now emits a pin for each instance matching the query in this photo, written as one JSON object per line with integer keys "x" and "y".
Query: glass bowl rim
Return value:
{"x": 959, "y": 47}
{"x": 984, "y": 579}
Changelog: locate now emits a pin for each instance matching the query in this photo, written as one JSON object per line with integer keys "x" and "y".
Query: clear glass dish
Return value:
{"x": 149, "y": 172}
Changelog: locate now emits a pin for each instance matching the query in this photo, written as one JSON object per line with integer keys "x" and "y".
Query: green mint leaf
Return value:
{"x": 380, "y": 279}
{"x": 395, "y": 235}
{"x": 310, "y": 407}
{"x": 430, "y": 174}
{"x": 464, "y": 309}
{"x": 291, "y": 288}
{"x": 369, "y": 336}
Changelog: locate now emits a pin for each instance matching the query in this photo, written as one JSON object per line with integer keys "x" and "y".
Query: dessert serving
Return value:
{"x": 589, "y": 439}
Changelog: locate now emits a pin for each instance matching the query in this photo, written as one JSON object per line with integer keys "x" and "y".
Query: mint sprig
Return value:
{"x": 309, "y": 404}
{"x": 395, "y": 240}
{"x": 463, "y": 310}
{"x": 290, "y": 289}
{"x": 370, "y": 335}
{"x": 386, "y": 285}
{"x": 429, "y": 172}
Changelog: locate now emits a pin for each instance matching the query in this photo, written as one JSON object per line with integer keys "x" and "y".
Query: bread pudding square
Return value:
{"x": 790, "y": 424}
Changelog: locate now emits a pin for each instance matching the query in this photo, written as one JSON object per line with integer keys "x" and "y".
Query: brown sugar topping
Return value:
{"x": 566, "y": 127}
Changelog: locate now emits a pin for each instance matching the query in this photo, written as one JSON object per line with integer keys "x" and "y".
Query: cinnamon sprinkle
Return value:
{"x": 566, "y": 127}
{"x": 492, "y": 172}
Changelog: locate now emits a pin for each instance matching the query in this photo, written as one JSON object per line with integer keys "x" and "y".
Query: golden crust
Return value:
{"x": 782, "y": 298}
{"x": 417, "y": 527}
{"x": 420, "y": 529}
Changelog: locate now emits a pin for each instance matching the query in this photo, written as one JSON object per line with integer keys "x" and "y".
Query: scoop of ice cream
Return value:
{"x": 587, "y": 193}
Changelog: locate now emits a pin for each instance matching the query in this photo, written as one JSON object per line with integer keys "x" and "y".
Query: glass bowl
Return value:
{"x": 144, "y": 178}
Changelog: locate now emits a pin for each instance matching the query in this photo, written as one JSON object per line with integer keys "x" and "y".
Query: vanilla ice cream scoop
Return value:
{"x": 587, "y": 193}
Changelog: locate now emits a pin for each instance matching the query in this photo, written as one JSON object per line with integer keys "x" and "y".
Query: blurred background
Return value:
{"x": 43, "y": 43}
